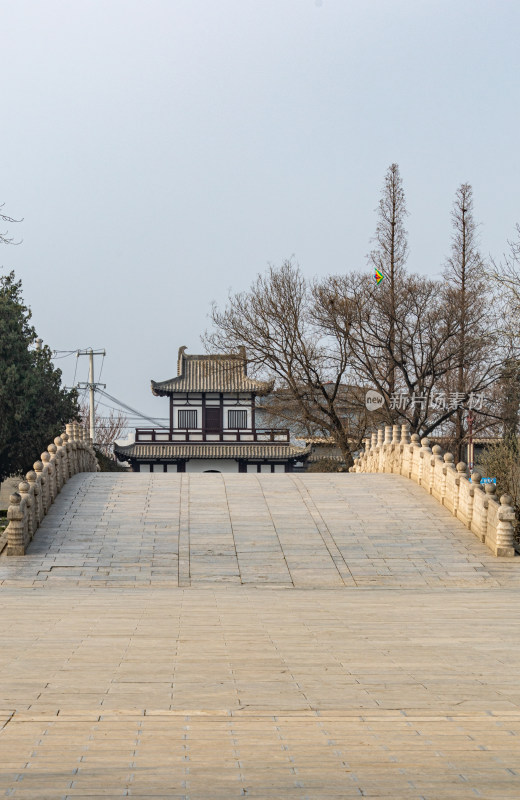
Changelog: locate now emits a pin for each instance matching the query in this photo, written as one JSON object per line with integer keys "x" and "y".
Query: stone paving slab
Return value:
{"x": 311, "y": 637}
{"x": 237, "y": 691}
{"x": 330, "y": 530}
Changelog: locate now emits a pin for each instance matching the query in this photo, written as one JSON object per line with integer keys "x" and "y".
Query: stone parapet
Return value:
{"x": 70, "y": 453}
{"x": 475, "y": 505}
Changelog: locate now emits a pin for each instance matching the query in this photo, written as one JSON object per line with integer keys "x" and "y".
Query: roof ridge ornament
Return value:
{"x": 242, "y": 353}
{"x": 180, "y": 358}
{"x": 218, "y": 372}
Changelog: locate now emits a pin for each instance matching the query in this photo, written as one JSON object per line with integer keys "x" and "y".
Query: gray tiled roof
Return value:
{"x": 212, "y": 373}
{"x": 327, "y": 455}
{"x": 247, "y": 450}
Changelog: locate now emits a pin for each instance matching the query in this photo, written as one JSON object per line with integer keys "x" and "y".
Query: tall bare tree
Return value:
{"x": 280, "y": 323}
{"x": 467, "y": 296}
{"x": 505, "y": 277}
{"x": 391, "y": 252}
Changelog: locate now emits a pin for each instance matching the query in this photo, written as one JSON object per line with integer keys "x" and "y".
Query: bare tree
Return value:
{"x": 279, "y": 321}
{"x": 505, "y": 274}
{"x": 391, "y": 252}
{"x": 405, "y": 366}
{"x": 467, "y": 296}
{"x": 109, "y": 427}
{"x": 4, "y": 238}
{"x": 505, "y": 277}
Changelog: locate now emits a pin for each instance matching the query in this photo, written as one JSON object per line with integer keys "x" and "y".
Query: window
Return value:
{"x": 237, "y": 419}
{"x": 187, "y": 419}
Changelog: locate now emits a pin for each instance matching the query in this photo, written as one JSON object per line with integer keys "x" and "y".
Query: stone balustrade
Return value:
{"x": 70, "y": 453}
{"x": 392, "y": 450}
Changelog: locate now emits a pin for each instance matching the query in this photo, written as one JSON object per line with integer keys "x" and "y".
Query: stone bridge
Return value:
{"x": 308, "y": 530}
{"x": 264, "y": 636}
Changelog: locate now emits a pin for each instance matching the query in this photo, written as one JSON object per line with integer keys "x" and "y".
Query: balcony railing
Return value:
{"x": 204, "y": 435}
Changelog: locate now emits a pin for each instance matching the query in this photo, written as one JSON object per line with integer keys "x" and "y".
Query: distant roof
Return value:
{"x": 211, "y": 373}
{"x": 142, "y": 451}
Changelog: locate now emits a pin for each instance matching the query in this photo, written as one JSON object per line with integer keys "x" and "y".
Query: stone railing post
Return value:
{"x": 415, "y": 447}
{"x": 50, "y": 476}
{"x": 83, "y": 448}
{"x": 76, "y": 445}
{"x": 26, "y": 506}
{"x": 480, "y": 508}
{"x": 437, "y": 465}
{"x": 66, "y": 456}
{"x": 424, "y": 456}
{"x": 387, "y": 450}
{"x": 47, "y": 497}
{"x": 461, "y": 474}
{"x": 34, "y": 491}
{"x": 52, "y": 450}
{"x": 380, "y": 457}
{"x": 448, "y": 465}
{"x": 71, "y": 449}
{"x": 505, "y": 537}
{"x": 15, "y": 539}
{"x": 62, "y": 464}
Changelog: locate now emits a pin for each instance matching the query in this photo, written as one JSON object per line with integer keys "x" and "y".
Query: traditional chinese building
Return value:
{"x": 212, "y": 424}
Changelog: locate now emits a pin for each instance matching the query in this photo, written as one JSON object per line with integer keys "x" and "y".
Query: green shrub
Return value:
{"x": 502, "y": 461}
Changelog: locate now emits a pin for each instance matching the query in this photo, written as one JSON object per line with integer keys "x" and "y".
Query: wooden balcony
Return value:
{"x": 203, "y": 435}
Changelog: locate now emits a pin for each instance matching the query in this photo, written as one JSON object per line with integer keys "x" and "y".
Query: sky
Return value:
{"x": 162, "y": 153}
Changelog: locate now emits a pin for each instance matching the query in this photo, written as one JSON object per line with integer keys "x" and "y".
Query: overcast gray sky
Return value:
{"x": 163, "y": 152}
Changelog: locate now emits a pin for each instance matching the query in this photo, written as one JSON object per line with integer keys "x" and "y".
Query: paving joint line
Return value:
{"x": 322, "y": 528}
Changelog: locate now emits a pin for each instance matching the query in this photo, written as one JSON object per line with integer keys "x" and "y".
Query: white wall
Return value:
{"x": 220, "y": 464}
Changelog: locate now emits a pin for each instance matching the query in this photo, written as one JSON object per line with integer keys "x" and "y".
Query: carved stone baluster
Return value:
{"x": 15, "y": 540}
{"x": 38, "y": 469}
{"x": 50, "y": 478}
{"x": 505, "y": 542}
{"x": 461, "y": 473}
{"x": 34, "y": 491}
{"x": 26, "y": 506}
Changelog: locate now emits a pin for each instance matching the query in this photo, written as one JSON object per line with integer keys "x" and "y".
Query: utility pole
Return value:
{"x": 91, "y": 385}
{"x": 471, "y": 420}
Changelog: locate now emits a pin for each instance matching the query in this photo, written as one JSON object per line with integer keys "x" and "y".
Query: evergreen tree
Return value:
{"x": 34, "y": 407}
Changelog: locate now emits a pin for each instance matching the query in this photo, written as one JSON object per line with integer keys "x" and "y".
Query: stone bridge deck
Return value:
{"x": 301, "y": 531}
{"x": 210, "y": 636}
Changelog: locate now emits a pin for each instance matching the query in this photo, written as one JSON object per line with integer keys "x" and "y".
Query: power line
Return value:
{"x": 129, "y": 408}
{"x": 132, "y": 416}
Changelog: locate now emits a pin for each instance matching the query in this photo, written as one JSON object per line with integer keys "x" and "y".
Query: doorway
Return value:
{"x": 213, "y": 420}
